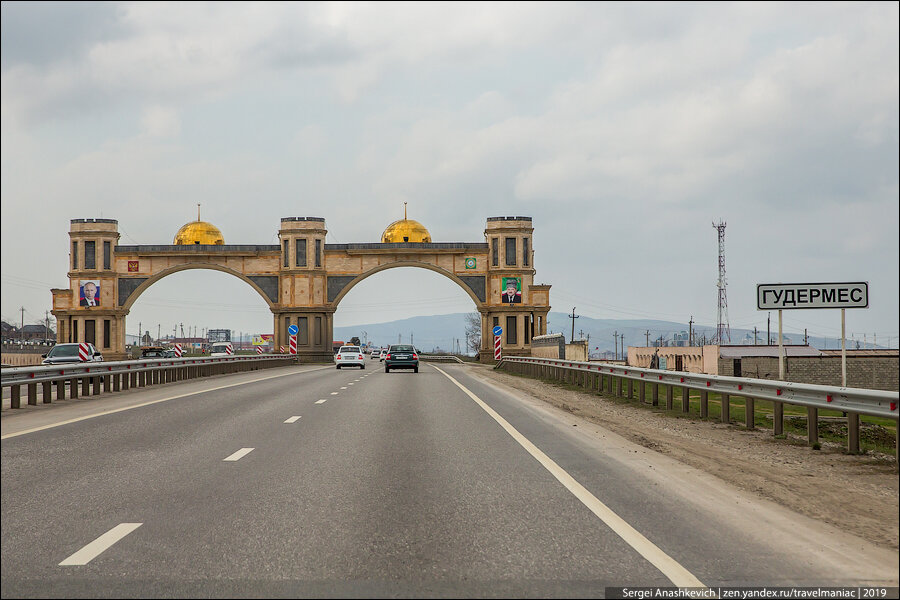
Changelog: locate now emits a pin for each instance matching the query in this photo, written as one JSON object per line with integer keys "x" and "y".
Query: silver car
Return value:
{"x": 62, "y": 354}
{"x": 350, "y": 356}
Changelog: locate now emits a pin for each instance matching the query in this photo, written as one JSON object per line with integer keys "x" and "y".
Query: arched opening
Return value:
{"x": 407, "y": 305}
{"x": 184, "y": 305}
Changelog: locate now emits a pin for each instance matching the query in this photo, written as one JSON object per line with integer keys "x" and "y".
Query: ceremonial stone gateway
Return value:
{"x": 303, "y": 279}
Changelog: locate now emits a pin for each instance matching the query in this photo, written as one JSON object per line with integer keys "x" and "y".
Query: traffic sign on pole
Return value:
{"x": 178, "y": 350}
{"x": 293, "y": 346}
{"x": 497, "y": 354}
{"x": 293, "y": 330}
{"x": 498, "y": 330}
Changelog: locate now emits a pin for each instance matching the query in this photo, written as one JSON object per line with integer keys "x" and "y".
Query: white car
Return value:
{"x": 376, "y": 353}
{"x": 350, "y": 356}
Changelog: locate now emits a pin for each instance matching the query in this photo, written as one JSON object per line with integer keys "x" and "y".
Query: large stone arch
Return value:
{"x": 302, "y": 279}
{"x": 144, "y": 284}
{"x": 469, "y": 288}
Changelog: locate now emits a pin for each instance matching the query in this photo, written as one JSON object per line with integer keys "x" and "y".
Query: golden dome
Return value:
{"x": 405, "y": 230}
{"x": 199, "y": 232}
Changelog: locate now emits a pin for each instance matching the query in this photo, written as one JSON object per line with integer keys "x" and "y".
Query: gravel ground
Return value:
{"x": 858, "y": 494}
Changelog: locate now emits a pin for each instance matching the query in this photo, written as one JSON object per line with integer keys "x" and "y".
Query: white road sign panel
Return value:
{"x": 784, "y": 296}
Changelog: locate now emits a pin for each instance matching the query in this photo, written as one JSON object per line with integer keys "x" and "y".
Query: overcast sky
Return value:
{"x": 624, "y": 130}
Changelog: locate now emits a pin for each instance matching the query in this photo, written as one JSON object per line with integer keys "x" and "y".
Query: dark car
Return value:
{"x": 62, "y": 354}
{"x": 400, "y": 356}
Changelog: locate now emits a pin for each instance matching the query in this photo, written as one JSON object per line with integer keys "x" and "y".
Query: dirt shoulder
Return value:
{"x": 858, "y": 494}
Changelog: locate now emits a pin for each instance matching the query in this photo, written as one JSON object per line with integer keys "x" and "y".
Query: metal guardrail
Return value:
{"x": 853, "y": 401}
{"x": 122, "y": 375}
{"x": 437, "y": 357}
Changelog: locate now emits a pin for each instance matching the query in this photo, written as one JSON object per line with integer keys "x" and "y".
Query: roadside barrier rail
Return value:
{"x": 441, "y": 358}
{"x": 116, "y": 376}
{"x": 592, "y": 375}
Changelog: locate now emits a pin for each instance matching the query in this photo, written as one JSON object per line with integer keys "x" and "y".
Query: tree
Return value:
{"x": 473, "y": 332}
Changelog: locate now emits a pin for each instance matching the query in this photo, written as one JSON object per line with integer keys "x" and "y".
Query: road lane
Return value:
{"x": 399, "y": 484}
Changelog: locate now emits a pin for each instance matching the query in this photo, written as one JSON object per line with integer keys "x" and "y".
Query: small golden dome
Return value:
{"x": 405, "y": 230}
{"x": 199, "y": 232}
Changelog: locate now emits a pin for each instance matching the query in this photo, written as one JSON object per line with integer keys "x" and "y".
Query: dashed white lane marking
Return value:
{"x": 321, "y": 401}
{"x": 293, "y": 420}
{"x": 239, "y": 454}
{"x": 100, "y": 545}
{"x": 142, "y": 404}
{"x": 669, "y": 567}
{"x": 334, "y": 393}
{"x": 344, "y": 387}
{"x": 351, "y": 383}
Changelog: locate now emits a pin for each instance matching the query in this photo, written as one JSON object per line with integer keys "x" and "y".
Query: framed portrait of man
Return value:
{"x": 512, "y": 291}
{"x": 89, "y": 292}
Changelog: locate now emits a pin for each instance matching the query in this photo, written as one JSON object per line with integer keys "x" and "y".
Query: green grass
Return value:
{"x": 876, "y": 433}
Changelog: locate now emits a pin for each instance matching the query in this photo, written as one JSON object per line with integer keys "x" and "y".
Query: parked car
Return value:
{"x": 153, "y": 352}
{"x": 62, "y": 354}
{"x": 350, "y": 356}
{"x": 401, "y": 356}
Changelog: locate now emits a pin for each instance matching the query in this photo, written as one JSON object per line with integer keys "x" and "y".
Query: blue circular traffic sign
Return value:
{"x": 293, "y": 330}
{"x": 498, "y": 330}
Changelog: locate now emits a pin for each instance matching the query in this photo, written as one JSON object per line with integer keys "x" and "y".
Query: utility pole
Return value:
{"x": 754, "y": 335}
{"x": 647, "y": 334}
{"x": 723, "y": 330}
{"x": 616, "y": 338}
{"x": 158, "y": 333}
{"x": 805, "y": 337}
{"x": 691, "y": 331}
{"x": 365, "y": 338}
{"x": 46, "y": 326}
{"x": 769, "y": 329}
{"x": 22, "y": 330}
{"x": 624, "y": 356}
{"x": 573, "y": 317}
{"x": 411, "y": 342}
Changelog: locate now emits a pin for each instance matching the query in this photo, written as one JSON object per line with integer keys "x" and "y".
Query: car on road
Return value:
{"x": 401, "y": 356}
{"x": 376, "y": 353}
{"x": 153, "y": 352}
{"x": 221, "y": 349}
{"x": 350, "y": 356}
{"x": 62, "y": 354}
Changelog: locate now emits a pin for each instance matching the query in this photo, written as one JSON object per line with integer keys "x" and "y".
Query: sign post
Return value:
{"x": 293, "y": 330}
{"x": 498, "y": 331}
{"x": 781, "y": 296}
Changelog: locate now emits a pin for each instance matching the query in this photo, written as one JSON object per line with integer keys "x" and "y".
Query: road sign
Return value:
{"x": 178, "y": 350}
{"x": 498, "y": 330}
{"x": 293, "y": 330}
{"x": 497, "y": 354}
{"x": 787, "y": 296}
{"x": 83, "y": 352}
{"x": 293, "y": 344}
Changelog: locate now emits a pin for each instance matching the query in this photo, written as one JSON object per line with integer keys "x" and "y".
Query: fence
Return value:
{"x": 95, "y": 377}
{"x": 615, "y": 378}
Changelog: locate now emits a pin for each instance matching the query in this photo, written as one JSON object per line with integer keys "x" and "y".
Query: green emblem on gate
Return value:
{"x": 470, "y": 263}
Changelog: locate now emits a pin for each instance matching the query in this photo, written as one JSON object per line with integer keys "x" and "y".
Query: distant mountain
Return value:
{"x": 443, "y": 332}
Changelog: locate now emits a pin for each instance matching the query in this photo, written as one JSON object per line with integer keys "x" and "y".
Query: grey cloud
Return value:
{"x": 40, "y": 33}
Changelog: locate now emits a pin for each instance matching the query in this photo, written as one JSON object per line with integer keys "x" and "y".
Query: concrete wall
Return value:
{"x": 577, "y": 350}
{"x": 870, "y": 372}
{"x": 548, "y": 346}
{"x": 21, "y": 359}
{"x": 692, "y": 357}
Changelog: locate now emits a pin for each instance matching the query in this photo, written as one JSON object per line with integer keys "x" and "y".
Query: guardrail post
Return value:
{"x": 669, "y": 397}
{"x": 641, "y": 390}
{"x": 97, "y": 385}
{"x": 621, "y": 384}
{"x": 61, "y": 389}
{"x": 47, "y": 392}
{"x": 107, "y": 383}
{"x": 853, "y": 433}
{"x": 630, "y": 389}
{"x": 85, "y": 386}
{"x": 32, "y": 394}
{"x": 73, "y": 388}
{"x": 726, "y": 408}
{"x": 812, "y": 424}
{"x": 116, "y": 381}
{"x": 778, "y": 416}
{"x": 655, "y": 394}
{"x": 750, "y": 412}
{"x": 685, "y": 400}
{"x": 14, "y": 401}
{"x": 704, "y": 404}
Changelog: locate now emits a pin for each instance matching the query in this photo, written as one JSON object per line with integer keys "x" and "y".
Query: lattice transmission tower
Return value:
{"x": 723, "y": 331}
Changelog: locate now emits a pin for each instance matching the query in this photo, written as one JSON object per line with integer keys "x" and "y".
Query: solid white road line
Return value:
{"x": 239, "y": 454}
{"x": 293, "y": 420}
{"x": 669, "y": 567}
{"x": 124, "y": 408}
{"x": 321, "y": 401}
{"x": 100, "y": 545}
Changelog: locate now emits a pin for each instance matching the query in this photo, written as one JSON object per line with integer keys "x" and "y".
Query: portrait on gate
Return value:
{"x": 512, "y": 290}
{"x": 89, "y": 292}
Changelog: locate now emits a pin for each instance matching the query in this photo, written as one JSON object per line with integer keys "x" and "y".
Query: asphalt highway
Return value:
{"x": 313, "y": 482}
